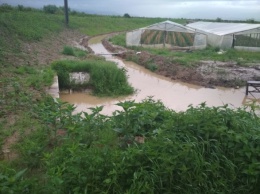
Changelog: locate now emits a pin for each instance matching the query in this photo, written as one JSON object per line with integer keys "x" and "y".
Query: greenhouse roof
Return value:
{"x": 170, "y": 26}
{"x": 223, "y": 28}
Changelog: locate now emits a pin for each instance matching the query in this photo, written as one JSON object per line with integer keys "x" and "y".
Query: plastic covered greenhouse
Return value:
{"x": 166, "y": 34}
{"x": 240, "y": 36}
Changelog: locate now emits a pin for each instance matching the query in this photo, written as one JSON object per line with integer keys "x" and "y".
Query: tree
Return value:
{"x": 126, "y": 15}
{"x": 50, "y": 9}
{"x": 250, "y": 20}
{"x": 219, "y": 20}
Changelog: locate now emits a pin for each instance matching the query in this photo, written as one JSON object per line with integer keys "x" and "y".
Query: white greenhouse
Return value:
{"x": 240, "y": 36}
{"x": 166, "y": 34}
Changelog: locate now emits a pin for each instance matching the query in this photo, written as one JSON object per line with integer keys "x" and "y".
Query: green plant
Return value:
{"x": 67, "y": 50}
{"x": 119, "y": 39}
{"x": 152, "y": 67}
{"x": 197, "y": 151}
{"x": 52, "y": 9}
{"x": 105, "y": 77}
{"x": 38, "y": 79}
{"x": 13, "y": 182}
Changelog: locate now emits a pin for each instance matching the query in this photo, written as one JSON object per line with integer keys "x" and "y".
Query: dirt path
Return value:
{"x": 207, "y": 73}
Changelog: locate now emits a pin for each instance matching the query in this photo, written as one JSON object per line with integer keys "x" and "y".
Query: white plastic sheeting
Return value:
{"x": 133, "y": 38}
{"x": 223, "y": 35}
{"x": 170, "y": 26}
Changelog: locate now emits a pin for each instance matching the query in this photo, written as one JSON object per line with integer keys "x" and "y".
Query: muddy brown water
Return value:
{"x": 174, "y": 95}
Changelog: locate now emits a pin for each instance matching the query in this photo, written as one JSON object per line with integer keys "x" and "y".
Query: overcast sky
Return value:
{"x": 203, "y": 9}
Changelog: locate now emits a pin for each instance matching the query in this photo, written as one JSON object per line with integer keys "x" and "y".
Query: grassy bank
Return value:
{"x": 145, "y": 148}
{"x": 106, "y": 79}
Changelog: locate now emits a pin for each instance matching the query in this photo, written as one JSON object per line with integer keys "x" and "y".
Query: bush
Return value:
{"x": 202, "y": 150}
{"x": 6, "y": 8}
{"x": 52, "y": 9}
{"x": 152, "y": 67}
{"x": 105, "y": 77}
{"x": 126, "y": 15}
{"x": 67, "y": 50}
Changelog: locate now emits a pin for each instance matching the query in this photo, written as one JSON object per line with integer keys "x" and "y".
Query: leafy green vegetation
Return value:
{"x": 119, "y": 39}
{"x": 106, "y": 78}
{"x": 143, "y": 148}
{"x": 95, "y": 24}
{"x": 68, "y": 50}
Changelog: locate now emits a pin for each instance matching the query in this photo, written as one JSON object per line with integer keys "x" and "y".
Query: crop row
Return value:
{"x": 173, "y": 38}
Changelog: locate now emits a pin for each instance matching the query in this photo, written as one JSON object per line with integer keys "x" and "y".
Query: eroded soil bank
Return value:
{"x": 206, "y": 73}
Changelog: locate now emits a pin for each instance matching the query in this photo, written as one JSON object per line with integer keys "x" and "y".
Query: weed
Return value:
{"x": 119, "y": 39}
{"x": 151, "y": 66}
{"x": 105, "y": 77}
{"x": 67, "y": 50}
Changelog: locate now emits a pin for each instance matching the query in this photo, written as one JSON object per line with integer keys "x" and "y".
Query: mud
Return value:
{"x": 206, "y": 73}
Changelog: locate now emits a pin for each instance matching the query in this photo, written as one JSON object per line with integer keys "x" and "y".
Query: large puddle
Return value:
{"x": 174, "y": 95}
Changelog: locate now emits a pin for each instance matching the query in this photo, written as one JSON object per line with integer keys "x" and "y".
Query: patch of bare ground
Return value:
{"x": 205, "y": 73}
{"x": 50, "y": 48}
{"x": 8, "y": 152}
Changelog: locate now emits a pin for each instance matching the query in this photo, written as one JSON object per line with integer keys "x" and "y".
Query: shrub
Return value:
{"x": 202, "y": 150}
{"x": 52, "y": 9}
{"x": 6, "y": 8}
{"x": 152, "y": 67}
{"x": 67, "y": 50}
{"x": 105, "y": 77}
{"x": 126, "y": 15}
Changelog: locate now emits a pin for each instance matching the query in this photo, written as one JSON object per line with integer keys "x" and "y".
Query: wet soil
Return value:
{"x": 206, "y": 73}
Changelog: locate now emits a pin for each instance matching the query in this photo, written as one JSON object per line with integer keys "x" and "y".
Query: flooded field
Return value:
{"x": 175, "y": 95}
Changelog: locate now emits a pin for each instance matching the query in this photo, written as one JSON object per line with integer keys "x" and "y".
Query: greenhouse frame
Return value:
{"x": 241, "y": 36}
{"x": 167, "y": 34}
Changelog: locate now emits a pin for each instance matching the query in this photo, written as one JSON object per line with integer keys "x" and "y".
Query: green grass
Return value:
{"x": 119, "y": 39}
{"x": 95, "y": 24}
{"x": 106, "y": 78}
{"x": 68, "y": 50}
